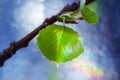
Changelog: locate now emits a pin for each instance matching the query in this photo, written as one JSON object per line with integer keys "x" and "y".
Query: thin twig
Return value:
{"x": 22, "y": 43}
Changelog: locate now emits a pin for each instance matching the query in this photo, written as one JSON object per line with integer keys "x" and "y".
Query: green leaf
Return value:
{"x": 67, "y": 16}
{"x": 59, "y": 43}
{"x": 93, "y": 6}
{"x": 82, "y": 4}
{"x": 89, "y": 15}
{"x": 70, "y": 16}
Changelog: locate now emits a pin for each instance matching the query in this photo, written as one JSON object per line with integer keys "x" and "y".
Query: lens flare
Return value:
{"x": 87, "y": 67}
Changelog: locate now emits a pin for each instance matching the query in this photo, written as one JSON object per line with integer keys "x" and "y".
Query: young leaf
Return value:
{"x": 59, "y": 43}
{"x": 88, "y": 12}
{"x": 70, "y": 17}
{"x": 93, "y": 6}
{"x": 89, "y": 15}
{"x": 82, "y": 4}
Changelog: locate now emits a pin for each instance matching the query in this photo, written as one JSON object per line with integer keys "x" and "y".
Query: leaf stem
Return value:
{"x": 63, "y": 21}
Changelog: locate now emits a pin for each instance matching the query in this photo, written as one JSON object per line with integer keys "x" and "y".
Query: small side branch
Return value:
{"x": 22, "y": 43}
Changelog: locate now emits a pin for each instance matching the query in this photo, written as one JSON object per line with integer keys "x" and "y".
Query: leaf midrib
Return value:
{"x": 59, "y": 41}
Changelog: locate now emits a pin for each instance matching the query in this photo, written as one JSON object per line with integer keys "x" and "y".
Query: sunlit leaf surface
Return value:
{"x": 59, "y": 43}
{"x": 89, "y": 15}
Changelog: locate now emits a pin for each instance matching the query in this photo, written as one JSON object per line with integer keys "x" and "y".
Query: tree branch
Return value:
{"x": 22, "y": 43}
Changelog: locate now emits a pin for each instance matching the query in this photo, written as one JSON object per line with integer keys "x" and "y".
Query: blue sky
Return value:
{"x": 19, "y": 17}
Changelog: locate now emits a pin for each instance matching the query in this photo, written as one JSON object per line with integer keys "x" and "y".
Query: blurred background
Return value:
{"x": 101, "y": 57}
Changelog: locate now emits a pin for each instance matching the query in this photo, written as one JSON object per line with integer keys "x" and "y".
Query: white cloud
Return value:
{"x": 32, "y": 13}
{"x": 28, "y": 16}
